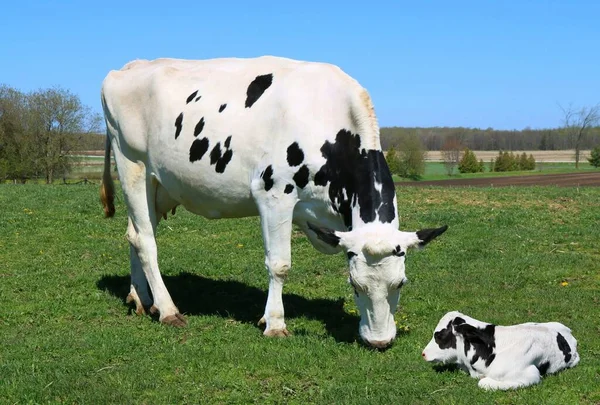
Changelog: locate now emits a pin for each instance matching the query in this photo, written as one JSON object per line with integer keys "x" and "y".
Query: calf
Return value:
{"x": 502, "y": 357}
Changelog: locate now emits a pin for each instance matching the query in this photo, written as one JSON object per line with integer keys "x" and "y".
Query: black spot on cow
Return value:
{"x": 267, "y": 177}
{"x": 445, "y": 338}
{"x": 564, "y": 347}
{"x": 288, "y": 188}
{"x": 350, "y": 255}
{"x": 222, "y": 163}
{"x": 215, "y": 154}
{"x": 191, "y": 97}
{"x": 178, "y": 125}
{"x": 198, "y": 149}
{"x": 301, "y": 176}
{"x": 482, "y": 340}
{"x": 543, "y": 368}
{"x": 222, "y": 107}
{"x": 199, "y": 127}
{"x": 352, "y": 175}
{"x": 221, "y": 158}
{"x": 197, "y": 98}
{"x": 398, "y": 251}
{"x": 295, "y": 155}
{"x": 257, "y": 88}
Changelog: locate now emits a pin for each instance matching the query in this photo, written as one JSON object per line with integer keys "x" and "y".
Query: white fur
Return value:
{"x": 307, "y": 102}
{"x": 519, "y": 351}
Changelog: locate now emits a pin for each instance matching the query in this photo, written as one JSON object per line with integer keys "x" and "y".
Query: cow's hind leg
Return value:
{"x": 276, "y": 212}
{"x": 139, "y": 191}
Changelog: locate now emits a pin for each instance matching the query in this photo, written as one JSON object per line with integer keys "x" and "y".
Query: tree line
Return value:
{"x": 40, "y": 131}
{"x": 433, "y": 138}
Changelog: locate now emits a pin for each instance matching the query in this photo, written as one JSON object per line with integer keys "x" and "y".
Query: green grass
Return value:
{"x": 437, "y": 171}
{"x": 68, "y": 337}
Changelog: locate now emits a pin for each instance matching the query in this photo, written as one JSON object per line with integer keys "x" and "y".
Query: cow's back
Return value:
{"x": 207, "y": 129}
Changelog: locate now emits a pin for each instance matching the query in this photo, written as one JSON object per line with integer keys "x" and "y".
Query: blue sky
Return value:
{"x": 501, "y": 64}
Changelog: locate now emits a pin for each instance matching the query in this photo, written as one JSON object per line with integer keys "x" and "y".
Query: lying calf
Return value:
{"x": 503, "y": 357}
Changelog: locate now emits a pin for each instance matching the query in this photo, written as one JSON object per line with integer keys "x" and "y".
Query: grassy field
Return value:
{"x": 510, "y": 255}
{"x": 437, "y": 171}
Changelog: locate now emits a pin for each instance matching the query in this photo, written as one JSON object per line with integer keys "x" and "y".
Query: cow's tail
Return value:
{"x": 107, "y": 188}
{"x": 363, "y": 114}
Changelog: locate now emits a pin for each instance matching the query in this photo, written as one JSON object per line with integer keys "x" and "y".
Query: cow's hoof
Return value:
{"x": 176, "y": 320}
{"x": 277, "y": 333}
{"x": 139, "y": 308}
{"x": 262, "y": 321}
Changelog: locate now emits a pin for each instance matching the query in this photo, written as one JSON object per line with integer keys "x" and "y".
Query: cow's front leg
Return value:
{"x": 276, "y": 211}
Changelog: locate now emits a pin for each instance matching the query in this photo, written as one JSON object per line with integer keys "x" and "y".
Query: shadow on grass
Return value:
{"x": 446, "y": 368}
{"x": 197, "y": 295}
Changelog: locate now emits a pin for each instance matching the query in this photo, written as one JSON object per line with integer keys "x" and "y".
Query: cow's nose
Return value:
{"x": 380, "y": 344}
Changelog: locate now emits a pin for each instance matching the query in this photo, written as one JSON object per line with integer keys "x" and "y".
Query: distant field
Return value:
{"x": 539, "y": 155}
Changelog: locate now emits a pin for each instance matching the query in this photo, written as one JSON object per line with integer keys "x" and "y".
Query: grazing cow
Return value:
{"x": 502, "y": 357}
{"x": 289, "y": 141}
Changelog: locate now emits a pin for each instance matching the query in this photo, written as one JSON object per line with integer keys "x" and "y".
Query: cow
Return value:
{"x": 293, "y": 142}
{"x": 502, "y": 357}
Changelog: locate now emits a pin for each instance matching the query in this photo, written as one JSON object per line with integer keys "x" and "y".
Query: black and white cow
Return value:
{"x": 502, "y": 357}
{"x": 290, "y": 141}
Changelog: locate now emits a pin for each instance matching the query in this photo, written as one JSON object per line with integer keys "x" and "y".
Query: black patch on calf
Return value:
{"x": 267, "y": 177}
{"x": 445, "y": 338}
{"x": 222, "y": 107}
{"x": 178, "y": 125}
{"x": 295, "y": 155}
{"x": 215, "y": 154}
{"x": 191, "y": 97}
{"x": 564, "y": 347}
{"x": 349, "y": 168}
{"x": 301, "y": 177}
{"x": 543, "y": 368}
{"x": 482, "y": 340}
{"x": 198, "y": 149}
{"x": 288, "y": 188}
{"x": 227, "y": 141}
{"x": 199, "y": 127}
{"x": 257, "y": 88}
{"x": 350, "y": 255}
{"x": 197, "y": 98}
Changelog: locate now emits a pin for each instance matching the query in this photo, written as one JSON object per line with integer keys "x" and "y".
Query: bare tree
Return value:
{"x": 451, "y": 153}
{"x": 57, "y": 121}
{"x": 577, "y": 122}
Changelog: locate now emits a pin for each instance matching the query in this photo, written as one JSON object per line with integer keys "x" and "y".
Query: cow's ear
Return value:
{"x": 325, "y": 234}
{"x": 427, "y": 235}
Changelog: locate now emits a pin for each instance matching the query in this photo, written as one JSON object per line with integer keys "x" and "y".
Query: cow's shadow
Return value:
{"x": 197, "y": 295}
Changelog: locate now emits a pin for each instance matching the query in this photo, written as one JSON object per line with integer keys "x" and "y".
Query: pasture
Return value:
{"x": 510, "y": 255}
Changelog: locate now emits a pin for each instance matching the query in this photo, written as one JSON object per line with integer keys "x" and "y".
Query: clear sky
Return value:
{"x": 502, "y": 64}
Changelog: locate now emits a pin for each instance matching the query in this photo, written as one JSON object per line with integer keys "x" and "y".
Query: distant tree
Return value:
{"x": 16, "y": 145}
{"x": 530, "y": 162}
{"x": 411, "y": 157}
{"x": 577, "y": 124}
{"x": 469, "y": 163}
{"x": 391, "y": 158}
{"x": 451, "y": 153}
{"x": 523, "y": 163}
{"x": 57, "y": 120}
{"x": 594, "y": 158}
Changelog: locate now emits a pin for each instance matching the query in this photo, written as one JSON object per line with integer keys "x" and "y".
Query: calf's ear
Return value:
{"x": 325, "y": 234}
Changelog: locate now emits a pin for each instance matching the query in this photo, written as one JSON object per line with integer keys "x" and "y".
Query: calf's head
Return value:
{"x": 456, "y": 331}
{"x": 376, "y": 255}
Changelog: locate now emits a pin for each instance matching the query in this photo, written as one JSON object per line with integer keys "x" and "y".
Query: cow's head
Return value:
{"x": 376, "y": 254}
